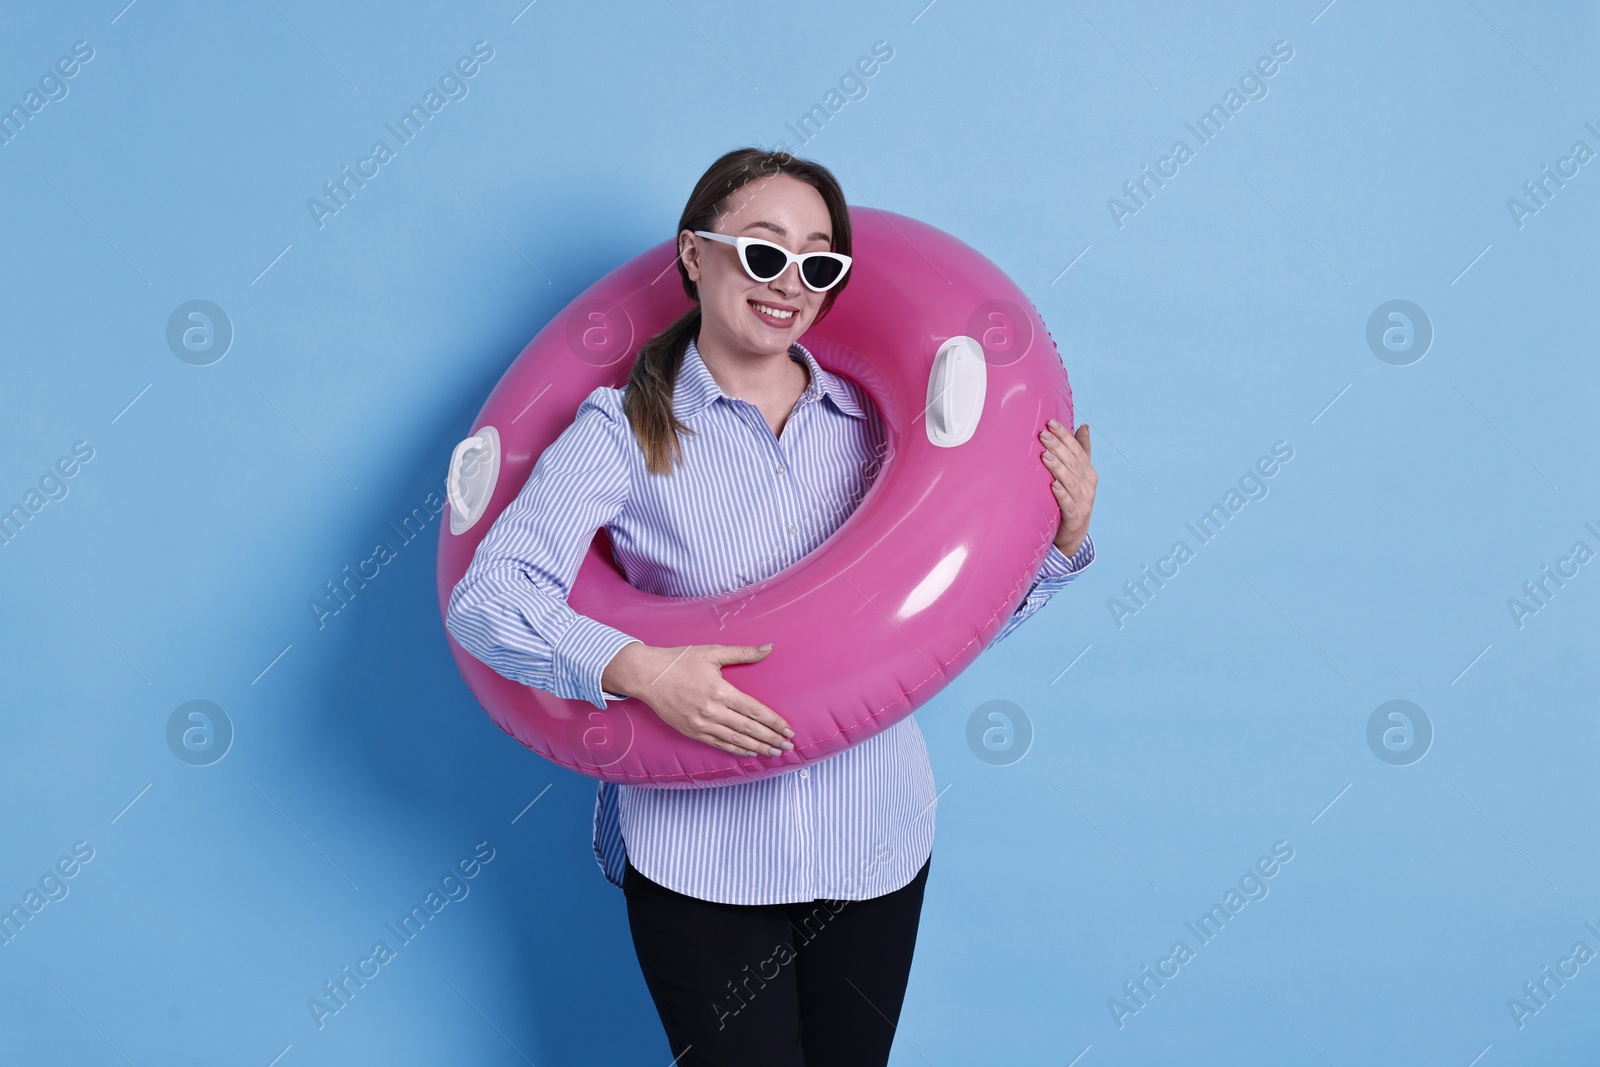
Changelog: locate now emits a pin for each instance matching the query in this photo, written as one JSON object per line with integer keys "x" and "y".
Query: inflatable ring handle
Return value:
{"x": 465, "y": 512}
{"x": 957, "y": 387}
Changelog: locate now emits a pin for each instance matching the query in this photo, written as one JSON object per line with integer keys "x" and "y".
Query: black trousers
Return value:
{"x": 775, "y": 985}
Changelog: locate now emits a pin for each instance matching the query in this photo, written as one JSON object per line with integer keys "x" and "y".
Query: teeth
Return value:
{"x": 774, "y": 312}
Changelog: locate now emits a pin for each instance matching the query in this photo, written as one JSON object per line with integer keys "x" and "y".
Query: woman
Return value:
{"x": 774, "y": 920}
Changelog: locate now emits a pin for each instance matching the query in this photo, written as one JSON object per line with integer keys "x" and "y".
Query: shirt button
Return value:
{"x": 794, "y": 531}
{"x": 805, "y": 772}
{"x": 780, "y": 470}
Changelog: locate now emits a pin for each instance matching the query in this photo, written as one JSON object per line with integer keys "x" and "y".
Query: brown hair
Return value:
{"x": 648, "y": 402}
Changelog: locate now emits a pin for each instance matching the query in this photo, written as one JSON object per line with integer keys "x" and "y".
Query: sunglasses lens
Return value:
{"x": 764, "y": 261}
{"x": 822, "y": 272}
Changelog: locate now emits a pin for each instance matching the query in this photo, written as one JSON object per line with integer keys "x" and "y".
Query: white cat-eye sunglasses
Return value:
{"x": 764, "y": 261}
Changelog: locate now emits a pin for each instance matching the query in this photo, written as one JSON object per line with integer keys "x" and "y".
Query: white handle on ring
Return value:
{"x": 469, "y": 494}
{"x": 957, "y": 385}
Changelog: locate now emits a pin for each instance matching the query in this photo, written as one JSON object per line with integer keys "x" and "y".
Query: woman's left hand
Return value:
{"x": 1067, "y": 459}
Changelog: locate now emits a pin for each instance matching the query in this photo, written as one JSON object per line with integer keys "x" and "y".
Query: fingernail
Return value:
{"x": 787, "y": 747}
{"x": 774, "y": 752}
{"x": 787, "y": 732}
{"x": 1054, "y": 425}
{"x": 765, "y": 648}
{"x": 747, "y": 752}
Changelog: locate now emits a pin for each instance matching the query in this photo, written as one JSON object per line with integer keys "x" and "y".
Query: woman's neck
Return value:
{"x": 764, "y": 379}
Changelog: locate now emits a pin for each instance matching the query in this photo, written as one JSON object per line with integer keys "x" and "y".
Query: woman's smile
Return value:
{"x": 780, "y": 316}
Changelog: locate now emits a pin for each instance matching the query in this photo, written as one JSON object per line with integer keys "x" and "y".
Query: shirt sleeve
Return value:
{"x": 1055, "y": 574}
{"x": 510, "y": 607}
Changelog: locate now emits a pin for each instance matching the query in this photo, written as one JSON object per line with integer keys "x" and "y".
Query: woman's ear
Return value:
{"x": 689, "y": 253}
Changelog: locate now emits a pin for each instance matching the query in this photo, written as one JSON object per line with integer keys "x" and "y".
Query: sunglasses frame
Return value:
{"x": 742, "y": 243}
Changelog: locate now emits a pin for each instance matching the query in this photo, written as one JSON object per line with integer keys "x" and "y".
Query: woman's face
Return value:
{"x": 736, "y": 310}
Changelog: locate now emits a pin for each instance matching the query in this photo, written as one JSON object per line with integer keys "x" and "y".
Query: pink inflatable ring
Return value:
{"x": 896, "y": 602}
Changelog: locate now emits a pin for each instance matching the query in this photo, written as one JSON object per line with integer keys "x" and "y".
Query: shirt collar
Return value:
{"x": 696, "y": 389}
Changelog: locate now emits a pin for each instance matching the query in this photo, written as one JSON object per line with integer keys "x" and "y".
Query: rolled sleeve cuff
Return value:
{"x": 1057, "y": 564}
{"x": 581, "y": 655}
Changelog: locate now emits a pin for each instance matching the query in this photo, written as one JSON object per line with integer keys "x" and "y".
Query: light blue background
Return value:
{"x": 1228, "y": 714}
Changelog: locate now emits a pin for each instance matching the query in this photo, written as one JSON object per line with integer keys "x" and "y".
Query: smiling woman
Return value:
{"x": 604, "y": 576}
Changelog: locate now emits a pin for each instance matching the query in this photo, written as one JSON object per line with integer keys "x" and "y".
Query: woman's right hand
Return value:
{"x": 685, "y": 687}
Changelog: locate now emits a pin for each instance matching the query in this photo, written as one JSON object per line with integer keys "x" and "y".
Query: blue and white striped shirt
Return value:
{"x": 742, "y": 505}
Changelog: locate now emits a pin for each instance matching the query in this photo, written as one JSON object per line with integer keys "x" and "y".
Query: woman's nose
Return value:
{"x": 788, "y": 283}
